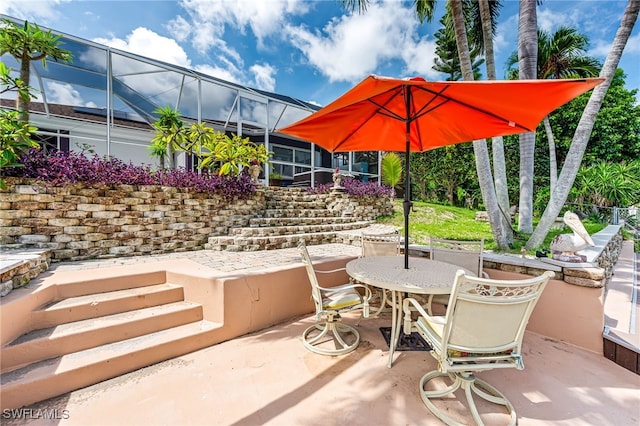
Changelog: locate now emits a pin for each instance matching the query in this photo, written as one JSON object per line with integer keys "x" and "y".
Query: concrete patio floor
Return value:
{"x": 268, "y": 378}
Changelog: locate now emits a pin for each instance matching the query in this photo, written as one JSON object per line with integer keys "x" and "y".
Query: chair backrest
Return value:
{"x": 487, "y": 317}
{"x": 380, "y": 244}
{"x": 313, "y": 279}
{"x": 466, "y": 254}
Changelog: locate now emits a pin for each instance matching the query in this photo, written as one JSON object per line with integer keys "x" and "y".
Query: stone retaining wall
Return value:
{"x": 78, "y": 222}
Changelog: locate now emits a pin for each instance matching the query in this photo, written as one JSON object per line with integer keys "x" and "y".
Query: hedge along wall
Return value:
{"x": 78, "y": 222}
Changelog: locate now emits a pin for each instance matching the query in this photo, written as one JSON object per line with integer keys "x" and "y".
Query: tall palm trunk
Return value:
{"x": 585, "y": 126}
{"x": 553, "y": 162}
{"x": 480, "y": 150}
{"x": 497, "y": 144}
{"x": 527, "y": 59}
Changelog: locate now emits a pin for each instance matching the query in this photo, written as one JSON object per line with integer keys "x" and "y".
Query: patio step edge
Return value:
{"x": 42, "y": 344}
{"x": 56, "y": 376}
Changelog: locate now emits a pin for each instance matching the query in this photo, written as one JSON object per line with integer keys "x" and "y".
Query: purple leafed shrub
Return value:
{"x": 356, "y": 188}
{"x": 61, "y": 168}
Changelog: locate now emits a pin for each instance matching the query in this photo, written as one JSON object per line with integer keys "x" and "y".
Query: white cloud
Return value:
{"x": 179, "y": 28}
{"x": 31, "y": 10}
{"x": 264, "y": 76}
{"x": 633, "y": 45}
{"x": 145, "y": 42}
{"x": 264, "y": 18}
{"x": 65, "y": 94}
{"x": 350, "y": 47}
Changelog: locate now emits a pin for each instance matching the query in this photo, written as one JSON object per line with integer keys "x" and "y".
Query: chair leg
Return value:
{"x": 381, "y": 294}
{"x": 330, "y": 331}
{"x": 471, "y": 385}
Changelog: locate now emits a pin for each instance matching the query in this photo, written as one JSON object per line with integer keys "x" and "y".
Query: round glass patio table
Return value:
{"x": 424, "y": 276}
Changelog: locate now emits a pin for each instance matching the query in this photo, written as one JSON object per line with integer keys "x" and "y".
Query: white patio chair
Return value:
{"x": 380, "y": 245}
{"x": 482, "y": 330}
{"x": 331, "y": 337}
{"x": 466, "y": 254}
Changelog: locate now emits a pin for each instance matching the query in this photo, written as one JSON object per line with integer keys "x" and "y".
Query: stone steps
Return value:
{"x": 98, "y": 330}
{"x": 287, "y": 221}
{"x": 290, "y": 214}
{"x": 266, "y": 231}
{"x": 299, "y": 212}
{"x": 276, "y": 242}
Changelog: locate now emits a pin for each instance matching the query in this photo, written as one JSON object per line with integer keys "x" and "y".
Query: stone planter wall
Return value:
{"x": 77, "y": 222}
{"x": 363, "y": 208}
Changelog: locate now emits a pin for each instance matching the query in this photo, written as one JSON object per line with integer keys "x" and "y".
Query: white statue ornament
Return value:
{"x": 564, "y": 247}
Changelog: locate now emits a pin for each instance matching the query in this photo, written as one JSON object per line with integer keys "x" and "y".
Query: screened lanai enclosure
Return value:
{"x": 103, "y": 102}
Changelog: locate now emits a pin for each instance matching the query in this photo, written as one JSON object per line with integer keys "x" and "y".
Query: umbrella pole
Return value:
{"x": 406, "y": 206}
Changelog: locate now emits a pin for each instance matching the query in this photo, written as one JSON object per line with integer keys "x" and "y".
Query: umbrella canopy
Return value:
{"x": 415, "y": 115}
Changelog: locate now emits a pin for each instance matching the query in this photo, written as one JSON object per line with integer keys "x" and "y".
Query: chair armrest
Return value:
{"x": 331, "y": 271}
{"x": 407, "y": 312}
{"x": 346, "y": 287}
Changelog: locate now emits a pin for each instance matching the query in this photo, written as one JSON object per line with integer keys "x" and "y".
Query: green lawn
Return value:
{"x": 457, "y": 223}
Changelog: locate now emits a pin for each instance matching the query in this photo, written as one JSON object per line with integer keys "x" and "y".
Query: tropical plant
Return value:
{"x": 391, "y": 167}
{"x": 170, "y": 135}
{"x": 29, "y": 43}
{"x": 15, "y": 133}
{"x": 608, "y": 184}
{"x": 230, "y": 154}
{"x": 560, "y": 55}
{"x": 585, "y": 126}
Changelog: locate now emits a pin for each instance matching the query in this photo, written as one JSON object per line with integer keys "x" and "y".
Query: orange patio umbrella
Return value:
{"x": 415, "y": 115}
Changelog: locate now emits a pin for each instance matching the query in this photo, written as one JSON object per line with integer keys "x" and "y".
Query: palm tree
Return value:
{"x": 585, "y": 126}
{"x": 560, "y": 55}
{"x": 447, "y": 61}
{"x": 527, "y": 59}
{"x": 488, "y": 15}
{"x": 425, "y": 10}
{"x": 29, "y": 43}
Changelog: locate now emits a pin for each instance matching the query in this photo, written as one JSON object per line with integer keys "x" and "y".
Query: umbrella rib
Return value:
{"x": 382, "y": 110}
{"x": 450, "y": 99}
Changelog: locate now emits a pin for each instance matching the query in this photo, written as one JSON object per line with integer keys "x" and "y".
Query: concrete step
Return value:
{"x": 288, "y": 221}
{"x": 59, "y": 375}
{"x": 295, "y": 229}
{"x": 39, "y": 345}
{"x": 282, "y": 241}
{"x": 100, "y": 304}
{"x": 295, "y": 204}
{"x": 279, "y": 213}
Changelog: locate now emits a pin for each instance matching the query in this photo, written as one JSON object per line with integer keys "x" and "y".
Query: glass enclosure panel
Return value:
{"x": 218, "y": 103}
{"x": 302, "y": 156}
{"x": 253, "y": 111}
{"x": 281, "y": 153}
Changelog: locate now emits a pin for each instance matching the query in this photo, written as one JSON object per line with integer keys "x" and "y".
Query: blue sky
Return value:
{"x": 312, "y": 50}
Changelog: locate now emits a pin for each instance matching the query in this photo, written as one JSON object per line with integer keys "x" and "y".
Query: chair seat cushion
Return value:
{"x": 432, "y": 329}
{"x": 341, "y": 300}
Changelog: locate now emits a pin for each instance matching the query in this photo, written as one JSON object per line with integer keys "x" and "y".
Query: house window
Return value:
{"x": 287, "y": 160}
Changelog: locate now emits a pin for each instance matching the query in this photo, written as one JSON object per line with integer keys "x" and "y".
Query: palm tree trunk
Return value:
{"x": 527, "y": 57}
{"x": 585, "y": 126}
{"x": 497, "y": 144}
{"x": 553, "y": 162}
{"x": 483, "y": 165}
